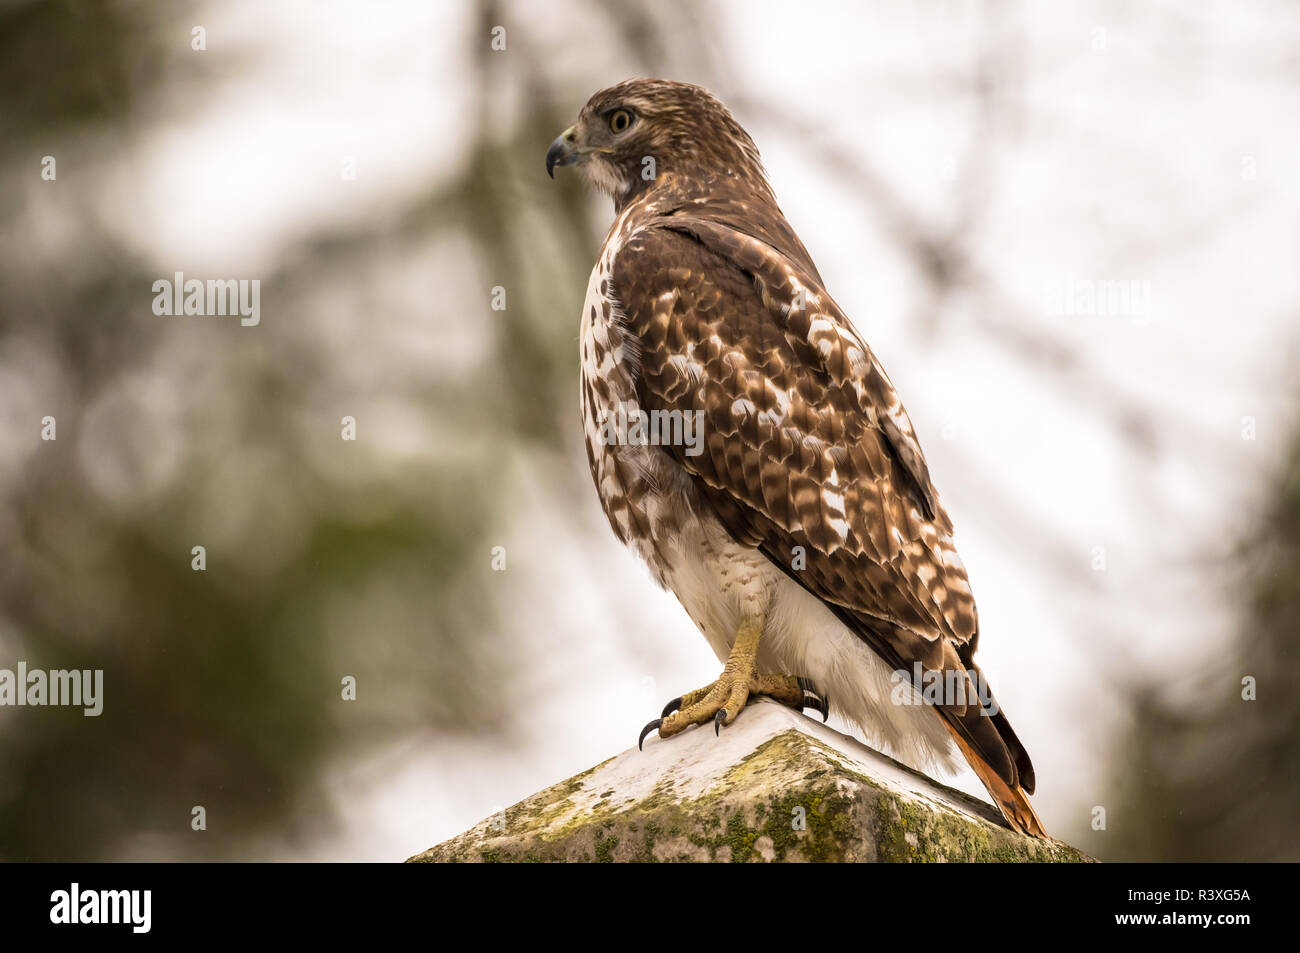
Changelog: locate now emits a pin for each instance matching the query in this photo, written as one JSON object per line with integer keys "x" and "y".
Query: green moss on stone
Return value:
{"x": 605, "y": 850}
{"x": 754, "y": 804}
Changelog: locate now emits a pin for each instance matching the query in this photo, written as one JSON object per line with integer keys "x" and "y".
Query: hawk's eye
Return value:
{"x": 619, "y": 120}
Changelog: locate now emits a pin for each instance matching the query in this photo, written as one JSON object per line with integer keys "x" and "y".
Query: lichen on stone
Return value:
{"x": 775, "y": 787}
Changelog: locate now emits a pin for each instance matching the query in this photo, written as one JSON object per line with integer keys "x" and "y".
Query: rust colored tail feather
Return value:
{"x": 1010, "y": 798}
{"x": 986, "y": 741}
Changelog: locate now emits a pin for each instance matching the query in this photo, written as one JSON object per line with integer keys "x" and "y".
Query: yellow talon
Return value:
{"x": 722, "y": 701}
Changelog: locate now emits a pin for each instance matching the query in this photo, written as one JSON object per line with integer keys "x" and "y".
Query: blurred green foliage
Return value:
{"x": 223, "y": 687}
{"x": 1203, "y": 772}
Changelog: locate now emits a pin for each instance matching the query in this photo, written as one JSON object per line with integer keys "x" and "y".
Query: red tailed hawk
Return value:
{"x": 747, "y": 444}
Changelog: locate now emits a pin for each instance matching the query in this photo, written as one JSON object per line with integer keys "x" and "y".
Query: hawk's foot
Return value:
{"x": 722, "y": 701}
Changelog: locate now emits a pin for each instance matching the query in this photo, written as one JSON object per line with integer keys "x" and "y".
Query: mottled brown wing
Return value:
{"x": 801, "y": 424}
{"x": 808, "y": 452}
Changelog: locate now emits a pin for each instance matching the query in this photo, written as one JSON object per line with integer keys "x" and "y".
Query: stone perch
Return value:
{"x": 775, "y": 786}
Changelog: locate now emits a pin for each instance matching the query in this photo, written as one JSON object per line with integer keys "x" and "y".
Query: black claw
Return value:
{"x": 672, "y": 706}
{"x": 822, "y": 704}
{"x": 653, "y": 726}
{"x": 717, "y": 720}
{"x": 813, "y": 697}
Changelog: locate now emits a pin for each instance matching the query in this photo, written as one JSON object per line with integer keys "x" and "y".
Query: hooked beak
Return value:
{"x": 563, "y": 151}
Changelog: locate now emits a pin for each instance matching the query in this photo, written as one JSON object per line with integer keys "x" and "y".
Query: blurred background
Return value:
{"x": 1126, "y": 486}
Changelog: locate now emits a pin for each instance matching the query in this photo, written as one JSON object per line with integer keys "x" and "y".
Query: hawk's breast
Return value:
{"x": 643, "y": 498}
{"x": 650, "y": 499}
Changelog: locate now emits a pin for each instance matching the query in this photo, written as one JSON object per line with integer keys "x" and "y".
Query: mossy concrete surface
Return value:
{"x": 775, "y": 786}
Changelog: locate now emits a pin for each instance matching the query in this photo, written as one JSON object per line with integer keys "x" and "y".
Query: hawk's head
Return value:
{"x": 644, "y": 132}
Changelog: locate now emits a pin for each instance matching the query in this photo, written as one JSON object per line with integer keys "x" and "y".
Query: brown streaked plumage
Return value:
{"x": 801, "y": 531}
